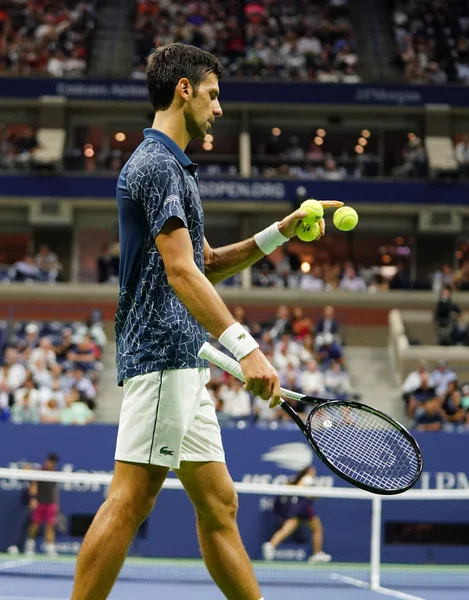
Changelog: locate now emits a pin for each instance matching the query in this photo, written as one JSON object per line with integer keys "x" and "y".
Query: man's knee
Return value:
{"x": 219, "y": 510}
{"x": 134, "y": 507}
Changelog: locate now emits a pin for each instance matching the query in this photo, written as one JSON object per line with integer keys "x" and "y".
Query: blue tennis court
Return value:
{"x": 51, "y": 579}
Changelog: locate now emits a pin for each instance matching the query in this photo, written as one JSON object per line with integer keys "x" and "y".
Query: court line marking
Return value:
{"x": 29, "y": 598}
{"x": 13, "y": 564}
{"x": 379, "y": 590}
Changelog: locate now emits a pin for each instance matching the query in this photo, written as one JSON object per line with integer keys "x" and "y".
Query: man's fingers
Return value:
{"x": 276, "y": 397}
{"x": 331, "y": 203}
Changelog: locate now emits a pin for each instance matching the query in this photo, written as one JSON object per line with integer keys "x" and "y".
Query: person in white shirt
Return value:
{"x": 313, "y": 281}
{"x": 45, "y": 352}
{"x": 461, "y": 152}
{"x": 41, "y": 375}
{"x": 414, "y": 380}
{"x": 236, "y": 400}
{"x": 30, "y": 391}
{"x": 50, "y": 412}
{"x": 351, "y": 282}
{"x": 337, "y": 381}
{"x": 311, "y": 380}
{"x": 12, "y": 371}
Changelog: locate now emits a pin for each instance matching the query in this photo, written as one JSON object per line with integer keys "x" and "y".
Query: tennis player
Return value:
{"x": 167, "y": 304}
{"x": 295, "y": 511}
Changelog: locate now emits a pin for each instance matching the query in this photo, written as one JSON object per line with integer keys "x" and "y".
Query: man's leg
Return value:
{"x": 131, "y": 498}
{"x": 212, "y": 493}
{"x": 317, "y": 541}
{"x": 285, "y": 531}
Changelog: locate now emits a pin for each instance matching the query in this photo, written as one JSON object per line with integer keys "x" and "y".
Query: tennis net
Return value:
{"x": 406, "y": 543}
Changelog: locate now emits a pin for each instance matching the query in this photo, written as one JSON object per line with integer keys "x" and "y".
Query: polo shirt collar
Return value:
{"x": 170, "y": 145}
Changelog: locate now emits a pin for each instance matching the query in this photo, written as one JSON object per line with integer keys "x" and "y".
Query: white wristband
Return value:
{"x": 270, "y": 238}
{"x": 238, "y": 341}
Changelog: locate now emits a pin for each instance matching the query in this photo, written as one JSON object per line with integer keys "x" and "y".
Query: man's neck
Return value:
{"x": 172, "y": 124}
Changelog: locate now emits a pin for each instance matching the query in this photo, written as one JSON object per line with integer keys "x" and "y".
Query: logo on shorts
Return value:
{"x": 166, "y": 450}
{"x": 241, "y": 337}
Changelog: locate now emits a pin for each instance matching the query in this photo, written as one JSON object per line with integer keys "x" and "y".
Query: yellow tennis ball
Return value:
{"x": 314, "y": 209}
{"x": 308, "y": 232}
{"x": 345, "y": 218}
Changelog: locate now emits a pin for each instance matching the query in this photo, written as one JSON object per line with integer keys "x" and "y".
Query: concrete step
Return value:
{"x": 372, "y": 376}
{"x": 110, "y": 395}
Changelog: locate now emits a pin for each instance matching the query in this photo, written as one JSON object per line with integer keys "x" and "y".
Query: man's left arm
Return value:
{"x": 222, "y": 263}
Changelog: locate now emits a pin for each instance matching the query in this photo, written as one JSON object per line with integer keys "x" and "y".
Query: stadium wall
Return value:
{"x": 260, "y": 455}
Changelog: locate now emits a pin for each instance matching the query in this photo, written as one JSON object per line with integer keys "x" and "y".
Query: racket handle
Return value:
{"x": 222, "y": 360}
{"x": 230, "y": 365}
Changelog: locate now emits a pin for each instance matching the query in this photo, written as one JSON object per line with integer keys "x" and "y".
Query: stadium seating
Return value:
{"x": 47, "y": 38}
{"x": 252, "y": 39}
{"x": 432, "y": 40}
{"x": 50, "y": 371}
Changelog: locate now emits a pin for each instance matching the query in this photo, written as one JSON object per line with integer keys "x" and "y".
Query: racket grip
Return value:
{"x": 220, "y": 359}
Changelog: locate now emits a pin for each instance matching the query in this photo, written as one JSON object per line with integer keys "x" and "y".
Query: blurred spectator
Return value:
{"x": 413, "y": 380}
{"x": 240, "y": 315}
{"x": 28, "y": 390}
{"x": 443, "y": 277}
{"x": 62, "y": 350}
{"x": 430, "y": 416}
{"x": 337, "y": 381}
{"x": 26, "y": 412}
{"x": 12, "y": 373}
{"x": 460, "y": 333}
{"x": 445, "y": 317}
{"x": 236, "y": 400}
{"x": 329, "y": 350}
{"x": 312, "y": 281}
{"x": 421, "y": 395}
{"x": 330, "y": 171}
{"x": 75, "y": 411}
{"x": 25, "y": 270}
{"x": 107, "y": 265}
{"x": 50, "y": 412}
{"x": 351, "y": 282}
{"x": 461, "y": 277}
{"x": 83, "y": 354}
{"x": 441, "y": 377}
{"x": 48, "y": 264}
{"x": 44, "y": 352}
{"x": 451, "y": 403}
{"x": 281, "y": 323}
{"x": 461, "y": 152}
{"x": 415, "y": 160}
{"x": 327, "y": 323}
{"x": 300, "y": 325}
{"x": 401, "y": 278}
{"x": 311, "y": 380}
{"x": 85, "y": 387}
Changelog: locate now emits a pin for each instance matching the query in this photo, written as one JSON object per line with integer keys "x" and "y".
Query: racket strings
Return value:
{"x": 364, "y": 446}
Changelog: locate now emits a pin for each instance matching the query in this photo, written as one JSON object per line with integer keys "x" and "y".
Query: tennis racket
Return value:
{"x": 362, "y": 445}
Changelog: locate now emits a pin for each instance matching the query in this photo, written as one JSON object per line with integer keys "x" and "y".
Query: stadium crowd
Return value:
{"x": 46, "y": 37}
{"x": 432, "y": 40}
{"x": 310, "y": 40}
{"x": 435, "y": 399}
{"x": 308, "y": 357}
{"x": 50, "y": 372}
{"x": 44, "y": 267}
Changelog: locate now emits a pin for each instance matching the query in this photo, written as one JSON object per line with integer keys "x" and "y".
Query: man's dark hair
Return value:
{"x": 168, "y": 64}
{"x": 53, "y": 457}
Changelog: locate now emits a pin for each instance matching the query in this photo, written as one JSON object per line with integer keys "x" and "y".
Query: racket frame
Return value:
{"x": 231, "y": 366}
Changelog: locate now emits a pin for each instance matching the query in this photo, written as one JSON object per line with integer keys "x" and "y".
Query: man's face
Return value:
{"x": 203, "y": 108}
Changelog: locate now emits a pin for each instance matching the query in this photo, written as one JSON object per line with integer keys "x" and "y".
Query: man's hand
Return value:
{"x": 260, "y": 377}
{"x": 288, "y": 225}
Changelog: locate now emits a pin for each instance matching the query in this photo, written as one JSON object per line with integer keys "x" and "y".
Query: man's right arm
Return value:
{"x": 204, "y": 303}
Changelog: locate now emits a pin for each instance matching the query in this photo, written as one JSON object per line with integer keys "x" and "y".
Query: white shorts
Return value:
{"x": 168, "y": 417}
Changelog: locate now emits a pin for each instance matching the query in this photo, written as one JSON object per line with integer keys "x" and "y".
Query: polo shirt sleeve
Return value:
{"x": 163, "y": 194}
